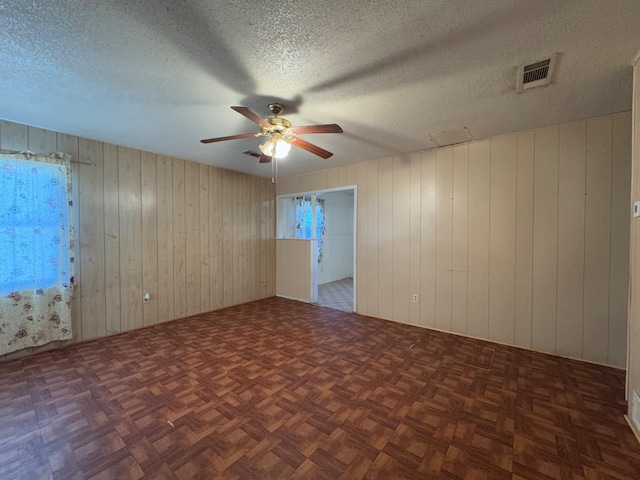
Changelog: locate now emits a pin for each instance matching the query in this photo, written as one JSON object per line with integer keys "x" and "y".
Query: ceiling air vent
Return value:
{"x": 536, "y": 74}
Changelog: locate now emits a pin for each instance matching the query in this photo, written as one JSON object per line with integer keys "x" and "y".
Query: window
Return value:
{"x": 34, "y": 225}
{"x": 35, "y": 250}
{"x": 304, "y": 221}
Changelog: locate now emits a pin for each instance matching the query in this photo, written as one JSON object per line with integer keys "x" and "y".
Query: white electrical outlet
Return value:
{"x": 415, "y": 298}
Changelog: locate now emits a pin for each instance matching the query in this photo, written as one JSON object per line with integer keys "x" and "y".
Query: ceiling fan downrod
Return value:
{"x": 276, "y": 108}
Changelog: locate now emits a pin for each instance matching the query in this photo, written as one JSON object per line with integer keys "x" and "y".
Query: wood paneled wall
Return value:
{"x": 633, "y": 365}
{"x": 521, "y": 239}
{"x": 295, "y": 268}
{"x": 197, "y": 238}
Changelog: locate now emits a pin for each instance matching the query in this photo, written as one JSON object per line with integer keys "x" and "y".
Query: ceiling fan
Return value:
{"x": 280, "y": 134}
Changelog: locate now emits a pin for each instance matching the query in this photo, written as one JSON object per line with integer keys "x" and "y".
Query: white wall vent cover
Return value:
{"x": 536, "y": 74}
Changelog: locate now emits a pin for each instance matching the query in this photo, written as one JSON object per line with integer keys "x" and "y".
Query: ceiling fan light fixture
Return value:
{"x": 277, "y": 148}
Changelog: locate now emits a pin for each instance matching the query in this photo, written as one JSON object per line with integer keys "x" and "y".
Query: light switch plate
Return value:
{"x": 636, "y": 209}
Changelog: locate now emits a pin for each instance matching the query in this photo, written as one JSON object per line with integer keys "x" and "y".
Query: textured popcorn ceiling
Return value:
{"x": 160, "y": 75}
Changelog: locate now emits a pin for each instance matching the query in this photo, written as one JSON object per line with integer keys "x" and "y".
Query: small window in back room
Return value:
{"x": 304, "y": 221}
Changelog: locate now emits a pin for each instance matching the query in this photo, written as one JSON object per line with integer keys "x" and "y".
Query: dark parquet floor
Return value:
{"x": 277, "y": 389}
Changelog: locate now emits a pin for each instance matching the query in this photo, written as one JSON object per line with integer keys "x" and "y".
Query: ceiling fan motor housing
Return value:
{"x": 279, "y": 123}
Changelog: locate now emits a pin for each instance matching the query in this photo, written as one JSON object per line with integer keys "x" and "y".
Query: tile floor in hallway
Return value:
{"x": 338, "y": 294}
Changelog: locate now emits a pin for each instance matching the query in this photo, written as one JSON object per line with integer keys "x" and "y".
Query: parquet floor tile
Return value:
{"x": 277, "y": 389}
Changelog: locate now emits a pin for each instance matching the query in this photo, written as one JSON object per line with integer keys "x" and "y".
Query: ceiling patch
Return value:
{"x": 451, "y": 137}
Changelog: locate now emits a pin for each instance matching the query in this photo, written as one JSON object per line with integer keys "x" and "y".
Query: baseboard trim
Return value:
{"x": 633, "y": 427}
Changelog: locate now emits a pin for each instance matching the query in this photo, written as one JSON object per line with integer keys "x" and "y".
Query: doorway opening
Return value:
{"x": 327, "y": 219}
{"x": 336, "y": 268}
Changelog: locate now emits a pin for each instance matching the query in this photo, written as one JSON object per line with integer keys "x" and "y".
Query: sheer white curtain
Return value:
{"x": 36, "y": 248}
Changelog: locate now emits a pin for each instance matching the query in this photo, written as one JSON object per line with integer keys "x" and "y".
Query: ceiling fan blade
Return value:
{"x": 263, "y": 158}
{"x": 310, "y": 147}
{"x": 254, "y": 117}
{"x": 333, "y": 128}
{"x": 232, "y": 137}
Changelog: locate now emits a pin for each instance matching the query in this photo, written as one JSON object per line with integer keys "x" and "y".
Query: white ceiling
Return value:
{"x": 160, "y": 75}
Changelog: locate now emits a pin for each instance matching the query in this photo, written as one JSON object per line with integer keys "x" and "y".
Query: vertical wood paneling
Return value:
{"x": 92, "y": 239}
{"x": 545, "y": 240}
{"x": 504, "y": 258}
{"x": 164, "y": 193}
{"x": 597, "y": 239}
{"x": 460, "y": 239}
{"x": 111, "y": 238}
{"x": 620, "y": 224}
{"x": 216, "y": 282}
{"x": 14, "y": 136}
{"x": 428, "y": 239}
{"x": 192, "y": 224}
{"x": 271, "y": 252}
{"x": 352, "y": 173}
{"x": 571, "y": 214}
{"x": 43, "y": 141}
{"x": 414, "y": 237}
{"x": 130, "y": 211}
{"x": 293, "y": 277}
{"x": 401, "y": 264}
{"x": 380, "y": 234}
{"x": 282, "y": 268}
{"x": 264, "y": 236}
{"x": 385, "y": 239}
{"x": 245, "y": 237}
{"x": 128, "y": 240}
{"x": 179, "y": 238}
{"x": 307, "y": 181}
{"x": 444, "y": 236}
{"x": 321, "y": 179}
{"x": 332, "y": 178}
{"x": 362, "y": 238}
{"x": 502, "y": 239}
{"x": 227, "y": 237}
{"x": 633, "y": 359}
{"x": 254, "y": 218}
{"x": 342, "y": 176}
{"x": 479, "y": 220}
{"x": 149, "y": 177}
{"x": 69, "y": 145}
{"x": 373, "y": 221}
{"x": 269, "y": 263}
{"x": 237, "y": 247}
{"x": 524, "y": 239}
{"x": 203, "y": 228}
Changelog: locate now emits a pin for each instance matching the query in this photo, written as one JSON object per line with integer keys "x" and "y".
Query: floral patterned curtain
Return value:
{"x": 304, "y": 221}
{"x": 36, "y": 245}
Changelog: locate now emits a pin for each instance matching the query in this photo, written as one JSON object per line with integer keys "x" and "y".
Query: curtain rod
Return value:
{"x": 83, "y": 163}
{"x": 59, "y": 155}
